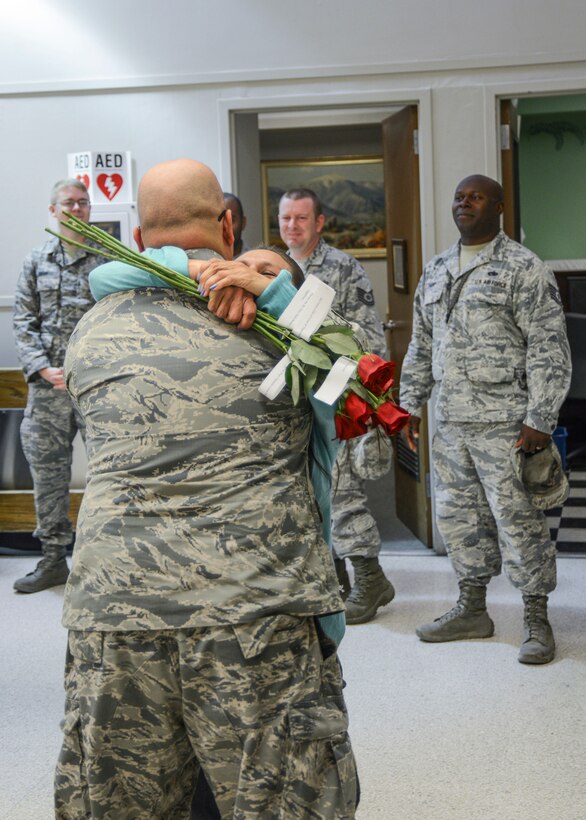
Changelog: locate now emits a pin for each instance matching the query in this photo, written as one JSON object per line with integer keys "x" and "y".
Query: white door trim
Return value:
{"x": 227, "y": 107}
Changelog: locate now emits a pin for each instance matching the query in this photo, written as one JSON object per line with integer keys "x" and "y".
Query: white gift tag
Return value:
{"x": 306, "y": 312}
{"x": 275, "y": 381}
{"x": 337, "y": 379}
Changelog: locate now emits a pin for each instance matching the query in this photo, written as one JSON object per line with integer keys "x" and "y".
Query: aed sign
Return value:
{"x": 106, "y": 174}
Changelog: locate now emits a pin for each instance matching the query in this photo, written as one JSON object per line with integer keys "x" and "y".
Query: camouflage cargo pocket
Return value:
{"x": 321, "y": 772}
{"x": 71, "y": 788}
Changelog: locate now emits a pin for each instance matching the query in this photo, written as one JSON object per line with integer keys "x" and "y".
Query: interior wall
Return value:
{"x": 141, "y": 76}
{"x": 67, "y": 44}
{"x": 37, "y": 132}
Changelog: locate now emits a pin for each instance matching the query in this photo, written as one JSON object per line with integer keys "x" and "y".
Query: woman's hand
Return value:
{"x": 234, "y": 305}
{"x": 219, "y": 273}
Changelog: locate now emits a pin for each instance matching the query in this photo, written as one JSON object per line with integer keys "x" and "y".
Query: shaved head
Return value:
{"x": 179, "y": 203}
{"x": 492, "y": 188}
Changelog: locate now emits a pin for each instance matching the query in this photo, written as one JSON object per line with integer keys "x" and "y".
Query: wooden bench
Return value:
{"x": 17, "y": 508}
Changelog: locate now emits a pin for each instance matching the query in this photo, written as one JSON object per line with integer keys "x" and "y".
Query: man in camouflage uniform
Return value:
{"x": 233, "y": 203}
{"x": 52, "y": 295}
{"x": 199, "y": 566}
{"x": 489, "y": 333}
{"x": 354, "y": 530}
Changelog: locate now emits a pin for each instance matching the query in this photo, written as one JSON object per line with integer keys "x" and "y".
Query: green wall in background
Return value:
{"x": 560, "y": 103}
{"x": 553, "y": 179}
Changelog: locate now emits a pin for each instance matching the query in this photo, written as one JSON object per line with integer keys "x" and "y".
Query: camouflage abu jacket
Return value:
{"x": 51, "y": 297}
{"x": 354, "y": 297}
{"x": 198, "y": 508}
{"x": 502, "y": 352}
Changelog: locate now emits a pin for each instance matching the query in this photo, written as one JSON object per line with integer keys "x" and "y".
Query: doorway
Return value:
{"x": 314, "y": 133}
{"x": 544, "y": 176}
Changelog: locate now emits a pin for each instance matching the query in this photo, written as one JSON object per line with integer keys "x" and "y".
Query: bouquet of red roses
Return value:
{"x": 364, "y": 398}
{"x": 368, "y": 401}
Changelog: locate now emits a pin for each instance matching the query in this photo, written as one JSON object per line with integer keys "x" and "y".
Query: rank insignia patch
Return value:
{"x": 366, "y": 296}
{"x": 554, "y": 293}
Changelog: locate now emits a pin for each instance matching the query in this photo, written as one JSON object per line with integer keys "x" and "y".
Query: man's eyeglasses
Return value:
{"x": 69, "y": 204}
{"x": 222, "y": 215}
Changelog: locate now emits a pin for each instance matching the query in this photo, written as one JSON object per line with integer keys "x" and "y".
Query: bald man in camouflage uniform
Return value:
{"x": 489, "y": 333}
{"x": 355, "y": 533}
{"x": 51, "y": 297}
{"x": 199, "y": 565}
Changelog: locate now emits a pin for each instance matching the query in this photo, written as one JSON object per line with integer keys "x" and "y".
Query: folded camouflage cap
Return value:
{"x": 371, "y": 455}
{"x": 543, "y": 476}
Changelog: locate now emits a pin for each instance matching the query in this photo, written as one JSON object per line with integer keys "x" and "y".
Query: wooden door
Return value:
{"x": 510, "y": 170}
{"x": 404, "y": 268}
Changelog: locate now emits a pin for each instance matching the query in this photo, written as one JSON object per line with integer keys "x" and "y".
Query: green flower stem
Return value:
{"x": 264, "y": 323}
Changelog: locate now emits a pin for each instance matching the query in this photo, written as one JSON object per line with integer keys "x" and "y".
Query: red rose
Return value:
{"x": 348, "y": 428}
{"x": 391, "y": 417}
{"x": 376, "y": 374}
{"x": 351, "y": 420}
{"x": 357, "y": 408}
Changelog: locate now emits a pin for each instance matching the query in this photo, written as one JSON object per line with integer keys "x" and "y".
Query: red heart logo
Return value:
{"x": 110, "y": 184}
{"x": 85, "y": 179}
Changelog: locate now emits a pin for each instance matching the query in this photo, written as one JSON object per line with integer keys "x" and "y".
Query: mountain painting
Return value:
{"x": 352, "y": 195}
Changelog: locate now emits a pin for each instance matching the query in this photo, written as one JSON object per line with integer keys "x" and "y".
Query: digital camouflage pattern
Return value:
{"x": 260, "y": 706}
{"x": 354, "y": 529}
{"x": 475, "y": 483}
{"x": 503, "y": 355}
{"x": 354, "y": 298}
{"x": 51, "y": 297}
{"x": 198, "y": 508}
{"x": 499, "y": 357}
{"x": 47, "y": 431}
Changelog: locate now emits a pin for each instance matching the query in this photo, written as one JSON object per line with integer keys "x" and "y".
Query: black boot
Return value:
{"x": 371, "y": 590}
{"x": 538, "y": 645}
{"x": 468, "y": 619}
{"x": 51, "y": 571}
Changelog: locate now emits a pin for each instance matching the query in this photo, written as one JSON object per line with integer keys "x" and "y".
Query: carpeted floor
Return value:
{"x": 457, "y": 731}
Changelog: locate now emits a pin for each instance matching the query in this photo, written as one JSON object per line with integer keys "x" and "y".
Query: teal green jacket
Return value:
{"x": 118, "y": 276}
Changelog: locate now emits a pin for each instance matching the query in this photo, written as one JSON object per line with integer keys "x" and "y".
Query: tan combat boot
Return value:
{"x": 371, "y": 590}
{"x": 51, "y": 571}
{"x": 538, "y": 645}
{"x": 467, "y": 620}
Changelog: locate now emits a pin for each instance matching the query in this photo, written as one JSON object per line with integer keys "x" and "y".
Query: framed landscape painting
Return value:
{"x": 351, "y": 191}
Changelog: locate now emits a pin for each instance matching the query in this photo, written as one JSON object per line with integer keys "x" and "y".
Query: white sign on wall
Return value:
{"x": 106, "y": 174}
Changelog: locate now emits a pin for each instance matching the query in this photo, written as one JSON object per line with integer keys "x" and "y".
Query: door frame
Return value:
{"x": 228, "y": 107}
{"x": 494, "y": 93}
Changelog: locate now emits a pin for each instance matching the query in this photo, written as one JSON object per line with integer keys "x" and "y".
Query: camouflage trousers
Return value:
{"x": 48, "y": 428}
{"x": 484, "y": 514}
{"x": 258, "y": 706}
{"x": 354, "y": 530}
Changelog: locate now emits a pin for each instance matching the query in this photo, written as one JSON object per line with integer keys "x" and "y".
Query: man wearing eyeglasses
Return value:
{"x": 51, "y": 297}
